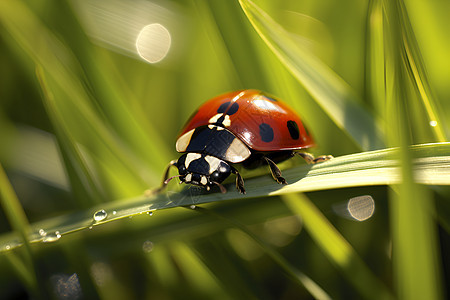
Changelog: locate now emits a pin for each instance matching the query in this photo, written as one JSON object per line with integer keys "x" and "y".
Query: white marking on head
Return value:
{"x": 188, "y": 178}
{"x": 237, "y": 151}
{"x": 203, "y": 180}
{"x": 184, "y": 140}
{"x": 190, "y": 157}
{"x": 213, "y": 163}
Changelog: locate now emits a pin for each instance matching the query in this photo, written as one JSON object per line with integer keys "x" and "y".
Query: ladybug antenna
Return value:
{"x": 169, "y": 179}
{"x": 223, "y": 190}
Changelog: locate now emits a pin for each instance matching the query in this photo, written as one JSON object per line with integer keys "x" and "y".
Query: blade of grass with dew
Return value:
{"x": 415, "y": 250}
{"x": 334, "y": 96}
{"x": 431, "y": 166}
{"x": 418, "y": 76}
{"x": 337, "y": 248}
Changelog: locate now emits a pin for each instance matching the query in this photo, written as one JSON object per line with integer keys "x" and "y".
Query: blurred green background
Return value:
{"x": 94, "y": 92}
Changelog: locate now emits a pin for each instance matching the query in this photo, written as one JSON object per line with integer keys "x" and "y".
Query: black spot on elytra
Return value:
{"x": 227, "y": 109}
{"x": 223, "y": 107}
{"x": 293, "y": 129}
{"x": 266, "y": 132}
{"x": 233, "y": 109}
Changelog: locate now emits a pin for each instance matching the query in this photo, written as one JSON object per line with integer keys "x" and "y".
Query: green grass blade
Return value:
{"x": 12, "y": 207}
{"x": 196, "y": 272}
{"x": 337, "y": 249}
{"x": 376, "y": 59}
{"x": 296, "y": 275}
{"x": 72, "y": 107}
{"x": 431, "y": 166}
{"x": 19, "y": 223}
{"x": 334, "y": 96}
{"x": 414, "y": 232}
{"x": 419, "y": 78}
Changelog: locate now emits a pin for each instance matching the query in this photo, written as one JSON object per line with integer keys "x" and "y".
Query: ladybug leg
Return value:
{"x": 166, "y": 178}
{"x": 276, "y": 173}
{"x": 223, "y": 190}
{"x": 239, "y": 181}
{"x": 310, "y": 159}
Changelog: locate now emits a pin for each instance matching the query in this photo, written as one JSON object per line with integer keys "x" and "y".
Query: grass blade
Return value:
{"x": 414, "y": 236}
{"x": 296, "y": 275}
{"x": 419, "y": 78}
{"x": 72, "y": 108}
{"x": 431, "y": 166}
{"x": 19, "y": 223}
{"x": 334, "y": 96}
{"x": 338, "y": 250}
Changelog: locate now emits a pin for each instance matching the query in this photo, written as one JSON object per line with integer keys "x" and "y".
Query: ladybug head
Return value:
{"x": 203, "y": 170}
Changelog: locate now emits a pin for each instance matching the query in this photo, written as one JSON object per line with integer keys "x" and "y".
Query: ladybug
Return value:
{"x": 244, "y": 127}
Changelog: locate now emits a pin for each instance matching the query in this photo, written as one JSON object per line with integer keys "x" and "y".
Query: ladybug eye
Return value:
{"x": 181, "y": 169}
{"x": 215, "y": 176}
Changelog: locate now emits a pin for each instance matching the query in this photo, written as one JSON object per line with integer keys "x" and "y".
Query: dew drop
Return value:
{"x": 90, "y": 227}
{"x": 42, "y": 232}
{"x": 150, "y": 213}
{"x": 114, "y": 212}
{"x": 433, "y": 123}
{"x": 100, "y": 215}
{"x": 7, "y": 247}
{"x": 52, "y": 237}
{"x": 193, "y": 206}
{"x": 147, "y": 246}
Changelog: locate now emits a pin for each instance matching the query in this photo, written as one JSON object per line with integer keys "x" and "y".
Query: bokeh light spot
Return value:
{"x": 361, "y": 208}
{"x": 153, "y": 42}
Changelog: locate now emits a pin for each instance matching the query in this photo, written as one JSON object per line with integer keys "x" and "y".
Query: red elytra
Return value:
{"x": 263, "y": 123}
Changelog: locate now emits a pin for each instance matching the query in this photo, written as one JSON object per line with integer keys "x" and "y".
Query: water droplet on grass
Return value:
{"x": 100, "y": 215}
{"x": 52, "y": 237}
